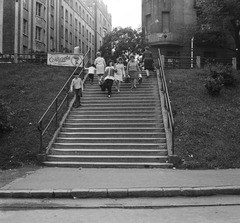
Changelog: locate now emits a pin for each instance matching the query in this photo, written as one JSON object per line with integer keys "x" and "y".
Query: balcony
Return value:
{"x": 163, "y": 39}
{"x": 42, "y": 2}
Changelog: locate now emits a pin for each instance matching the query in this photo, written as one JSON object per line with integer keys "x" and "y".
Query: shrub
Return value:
{"x": 218, "y": 75}
{"x": 5, "y": 118}
{"x": 214, "y": 84}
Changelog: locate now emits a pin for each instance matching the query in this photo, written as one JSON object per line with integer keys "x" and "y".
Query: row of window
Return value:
{"x": 89, "y": 35}
{"x": 69, "y": 17}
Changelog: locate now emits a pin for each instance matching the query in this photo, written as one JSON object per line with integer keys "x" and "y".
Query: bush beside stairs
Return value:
{"x": 124, "y": 131}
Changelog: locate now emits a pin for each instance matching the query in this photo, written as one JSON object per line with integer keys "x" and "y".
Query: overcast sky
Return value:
{"x": 125, "y": 13}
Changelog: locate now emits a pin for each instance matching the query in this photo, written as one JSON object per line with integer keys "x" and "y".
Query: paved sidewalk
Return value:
{"x": 75, "y": 182}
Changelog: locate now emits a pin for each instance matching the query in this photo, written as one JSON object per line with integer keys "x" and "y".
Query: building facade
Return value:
{"x": 52, "y": 25}
{"x": 164, "y": 24}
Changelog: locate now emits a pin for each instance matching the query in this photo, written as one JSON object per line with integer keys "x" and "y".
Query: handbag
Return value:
{"x": 127, "y": 79}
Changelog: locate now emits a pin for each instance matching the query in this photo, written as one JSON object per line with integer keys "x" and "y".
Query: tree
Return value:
{"x": 215, "y": 24}
{"x": 121, "y": 41}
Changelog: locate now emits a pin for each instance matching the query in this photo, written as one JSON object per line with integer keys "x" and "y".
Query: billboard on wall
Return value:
{"x": 64, "y": 59}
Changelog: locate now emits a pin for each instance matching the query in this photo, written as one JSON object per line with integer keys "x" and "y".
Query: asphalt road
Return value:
{"x": 200, "y": 210}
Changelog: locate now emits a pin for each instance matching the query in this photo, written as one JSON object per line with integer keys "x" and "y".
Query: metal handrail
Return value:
{"x": 42, "y": 130}
{"x": 167, "y": 102}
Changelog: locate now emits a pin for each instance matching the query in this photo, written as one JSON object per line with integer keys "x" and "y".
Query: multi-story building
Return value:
{"x": 52, "y": 25}
{"x": 164, "y": 25}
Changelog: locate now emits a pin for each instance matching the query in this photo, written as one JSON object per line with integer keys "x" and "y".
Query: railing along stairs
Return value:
{"x": 51, "y": 115}
{"x": 167, "y": 105}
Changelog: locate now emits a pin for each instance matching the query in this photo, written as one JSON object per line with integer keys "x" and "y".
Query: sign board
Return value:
{"x": 64, "y": 59}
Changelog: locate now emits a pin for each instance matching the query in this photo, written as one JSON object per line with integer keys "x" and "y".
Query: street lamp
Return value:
{"x": 192, "y": 40}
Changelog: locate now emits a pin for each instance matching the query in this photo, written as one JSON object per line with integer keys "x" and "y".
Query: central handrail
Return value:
{"x": 42, "y": 130}
{"x": 167, "y": 102}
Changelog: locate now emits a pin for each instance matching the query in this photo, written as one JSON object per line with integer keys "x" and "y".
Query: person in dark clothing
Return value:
{"x": 147, "y": 60}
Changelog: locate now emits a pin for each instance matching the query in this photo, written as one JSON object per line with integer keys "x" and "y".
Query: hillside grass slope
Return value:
{"x": 206, "y": 127}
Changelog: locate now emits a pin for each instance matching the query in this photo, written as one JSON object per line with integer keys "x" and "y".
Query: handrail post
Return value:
{"x": 40, "y": 133}
{"x": 56, "y": 107}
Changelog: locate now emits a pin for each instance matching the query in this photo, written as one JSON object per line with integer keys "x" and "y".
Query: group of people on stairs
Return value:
{"x": 108, "y": 73}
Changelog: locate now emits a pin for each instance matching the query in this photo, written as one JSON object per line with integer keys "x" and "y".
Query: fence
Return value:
{"x": 24, "y": 58}
{"x": 195, "y": 62}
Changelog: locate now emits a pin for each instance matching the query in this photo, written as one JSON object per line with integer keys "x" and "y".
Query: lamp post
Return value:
{"x": 16, "y": 33}
{"x": 192, "y": 48}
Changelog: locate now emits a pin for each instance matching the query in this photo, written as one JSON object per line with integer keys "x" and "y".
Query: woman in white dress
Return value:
{"x": 120, "y": 73}
{"x": 100, "y": 65}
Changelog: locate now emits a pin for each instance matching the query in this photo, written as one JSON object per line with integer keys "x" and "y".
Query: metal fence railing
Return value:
{"x": 51, "y": 115}
{"x": 167, "y": 103}
{"x": 188, "y": 62}
{"x": 24, "y": 58}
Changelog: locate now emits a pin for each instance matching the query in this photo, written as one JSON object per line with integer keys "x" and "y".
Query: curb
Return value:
{"x": 122, "y": 193}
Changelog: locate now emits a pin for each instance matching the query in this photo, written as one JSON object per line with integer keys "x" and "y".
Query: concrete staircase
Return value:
{"x": 125, "y": 130}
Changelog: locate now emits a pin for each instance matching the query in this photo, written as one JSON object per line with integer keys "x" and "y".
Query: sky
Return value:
{"x": 125, "y": 13}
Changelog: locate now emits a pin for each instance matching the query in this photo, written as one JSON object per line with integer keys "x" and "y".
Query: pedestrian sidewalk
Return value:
{"x": 94, "y": 183}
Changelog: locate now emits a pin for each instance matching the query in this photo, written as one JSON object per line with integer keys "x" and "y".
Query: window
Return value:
{"x": 76, "y": 7}
{"x": 100, "y": 31}
{"x": 87, "y": 19}
{"x": 76, "y": 23}
{"x": 75, "y": 41}
{"x": 83, "y": 14}
{"x": 82, "y": 30}
{"x": 79, "y": 26}
{"x": 82, "y": 47}
{"x": 87, "y": 35}
{"x": 62, "y": 31}
{"x": 38, "y": 9}
{"x": 51, "y": 43}
{"x": 25, "y": 27}
{"x": 66, "y": 35}
{"x": 38, "y": 33}
{"x": 80, "y": 9}
{"x": 62, "y": 12}
{"x": 25, "y": 4}
{"x": 71, "y": 19}
{"x": 52, "y": 2}
{"x": 93, "y": 39}
{"x": 66, "y": 15}
{"x": 70, "y": 38}
{"x": 79, "y": 44}
{"x": 90, "y": 37}
{"x": 25, "y": 50}
{"x": 165, "y": 22}
{"x": 52, "y": 22}
{"x": 209, "y": 54}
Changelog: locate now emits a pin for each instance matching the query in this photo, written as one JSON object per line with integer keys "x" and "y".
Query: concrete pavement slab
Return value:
{"x": 70, "y": 178}
{"x": 108, "y": 182}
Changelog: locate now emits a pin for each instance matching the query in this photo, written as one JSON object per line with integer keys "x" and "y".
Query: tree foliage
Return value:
{"x": 214, "y": 23}
{"x": 121, "y": 41}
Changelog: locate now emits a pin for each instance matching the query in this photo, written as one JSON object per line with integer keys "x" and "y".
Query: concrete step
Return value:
{"x": 109, "y": 140}
{"x": 124, "y": 113}
{"x": 112, "y": 145}
{"x": 108, "y": 124}
{"x": 120, "y": 130}
{"x": 100, "y": 108}
{"x": 107, "y": 165}
{"x": 113, "y": 159}
{"x": 114, "y": 120}
{"x": 109, "y": 152}
{"x": 113, "y": 115}
{"x": 112, "y": 134}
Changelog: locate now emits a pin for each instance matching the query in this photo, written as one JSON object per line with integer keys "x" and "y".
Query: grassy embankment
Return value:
{"x": 27, "y": 90}
{"x": 206, "y": 127}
